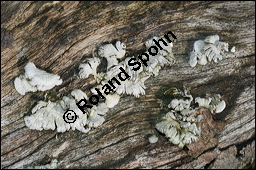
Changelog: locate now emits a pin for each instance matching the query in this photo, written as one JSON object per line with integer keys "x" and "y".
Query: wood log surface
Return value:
{"x": 57, "y": 36}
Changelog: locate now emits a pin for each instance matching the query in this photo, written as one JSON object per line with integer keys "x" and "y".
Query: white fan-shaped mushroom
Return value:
{"x": 193, "y": 59}
{"x": 178, "y": 132}
{"x": 233, "y": 49}
{"x": 132, "y": 86}
{"x": 179, "y": 124}
{"x": 129, "y": 70}
{"x": 79, "y": 94}
{"x": 186, "y": 112}
{"x": 90, "y": 68}
{"x": 163, "y": 126}
{"x": 55, "y": 116}
{"x": 202, "y": 102}
{"x": 171, "y": 132}
{"x": 199, "y": 118}
{"x": 155, "y": 63}
{"x": 211, "y": 49}
{"x": 217, "y": 105}
{"x": 94, "y": 62}
{"x": 121, "y": 49}
{"x": 171, "y": 115}
{"x": 111, "y": 52}
{"x": 166, "y": 50}
{"x": 112, "y": 100}
{"x": 220, "y": 106}
{"x": 39, "y": 105}
{"x": 22, "y": 85}
{"x": 81, "y": 121}
{"x": 46, "y": 118}
{"x": 198, "y": 46}
{"x": 179, "y": 104}
{"x": 40, "y": 78}
{"x": 222, "y": 46}
{"x": 85, "y": 70}
{"x": 149, "y": 43}
{"x": 95, "y": 120}
{"x": 101, "y": 109}
{"x": 153, "y": 139}
{"x": 197, "y": 55}
{"x": 153, "y": 67}
{"x": 112, "y": 61}
{"x": 135, "y": 88}
{"x": 202, "y": 60}
{"x": 212, "y": 52}
{"x": 185, "y": 124}
{"x": 212, "y": 39}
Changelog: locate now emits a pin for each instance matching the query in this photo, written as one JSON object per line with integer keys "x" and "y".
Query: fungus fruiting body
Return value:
{"x": 35, "y": 79}
{"x": 233, "y": 49}
{"x": 112, "y": 100}
{"x": 40, "y": 78}
{"x": 49, "y": 115}
{"x": 139, "y": 73}
{"x": 112, "y": 52}
{"x": 180, "y": 124}
{"x": 90, "y": 68}
{"x": 22, "y": 85}
{"x": 211, "y": 49}
{"x": 153, "y": 139}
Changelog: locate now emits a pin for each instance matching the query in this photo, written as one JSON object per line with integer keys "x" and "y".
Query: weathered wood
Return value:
{"x": 56, "y": 36}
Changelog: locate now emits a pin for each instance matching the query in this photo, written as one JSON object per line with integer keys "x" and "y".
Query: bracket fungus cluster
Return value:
{"x": 165, "y": 51}
{"x": 209, "y": 49}
{"x": 49, "y": 115}
{"x": 112, "y": 53}
{"x": 89, "y": 68}
{"x": 215, "y": 104}
{"x": 115, "y": 56}
{"x": 180, "y": 124}
{"x": 35, "y": 79}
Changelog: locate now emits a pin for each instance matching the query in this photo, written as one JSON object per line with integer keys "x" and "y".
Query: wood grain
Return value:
{"x": 57, "y": 36}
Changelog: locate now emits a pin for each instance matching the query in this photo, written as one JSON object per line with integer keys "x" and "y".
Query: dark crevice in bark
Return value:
{"x": 209, "y": 164}
{"x": 240, "y": 146}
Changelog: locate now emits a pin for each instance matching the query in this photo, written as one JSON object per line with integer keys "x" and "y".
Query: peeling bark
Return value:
{"x": 56, "y": 36}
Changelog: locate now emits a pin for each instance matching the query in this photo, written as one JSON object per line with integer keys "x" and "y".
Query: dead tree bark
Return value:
{"x": 56, "y": 36}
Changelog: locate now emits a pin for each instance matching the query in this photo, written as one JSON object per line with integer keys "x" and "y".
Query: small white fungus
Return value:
{"x": 179, "y": 124}
{"x": 233, "y": 49}
{"x": 211, "y": 49}
{"x": 153, "y": 139}
{"x": 22, "y": 85}
{"x": 112, "y": 100}
{"x": 40, "y": 78}
{"x": 89, "y": 68}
